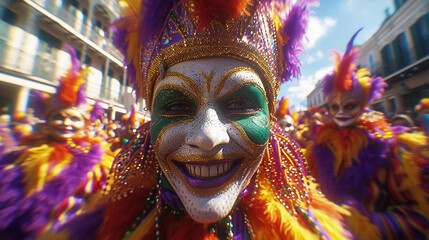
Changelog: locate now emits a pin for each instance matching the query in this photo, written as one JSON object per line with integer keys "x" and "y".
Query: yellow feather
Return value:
{"x": 361, "y": 226}
{"x": 275, "y": 222}
{"x": 37, "y": 169}
{"x": 345, "y": 147}
{"x": 412, "y": 180}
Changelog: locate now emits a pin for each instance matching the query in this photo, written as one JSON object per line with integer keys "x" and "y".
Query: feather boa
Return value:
{"x": 332, "y": 154}
{"x": 25, "y": 207}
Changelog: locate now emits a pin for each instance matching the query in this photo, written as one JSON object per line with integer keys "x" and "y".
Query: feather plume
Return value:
{"x": 291, "y": 31}
{"x": 140, "y": 21}
{"x": 71, "y": 83}
{"x": 283, "y": 108}
{"x": 361, "y": 226}
{"x": 220, "y": 11}
{"x": 96, "y": 112}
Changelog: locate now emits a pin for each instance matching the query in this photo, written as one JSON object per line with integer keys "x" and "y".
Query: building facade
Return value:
{"x": 399, "y": 52}
{"x": 316, "y": 98}
{"x": 32, "y": 56}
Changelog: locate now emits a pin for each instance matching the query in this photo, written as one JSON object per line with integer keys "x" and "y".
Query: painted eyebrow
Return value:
{"x": 183, "y": 90}
{"x": 187, "y": 80}
{"x": 228, "y": 74}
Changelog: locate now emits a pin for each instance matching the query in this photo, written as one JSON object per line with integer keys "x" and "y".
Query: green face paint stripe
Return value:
{"x": 162, "y": 100}
{"x": 256, "y": 125}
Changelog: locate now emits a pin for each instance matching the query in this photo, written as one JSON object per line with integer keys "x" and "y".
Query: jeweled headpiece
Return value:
{"x": 154, "y": 35}
{"x": 347, "y": 79}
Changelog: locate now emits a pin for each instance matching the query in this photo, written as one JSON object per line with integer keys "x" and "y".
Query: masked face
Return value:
{"x": 65, "y": 123}
{"x": 209, "y": 128}
{"x": 345, "y": 110}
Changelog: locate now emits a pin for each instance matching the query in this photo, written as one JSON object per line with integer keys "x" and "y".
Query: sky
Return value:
{"x": 331, "y": 25}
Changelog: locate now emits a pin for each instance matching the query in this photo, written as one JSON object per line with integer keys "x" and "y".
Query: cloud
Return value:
{"x": 314, "y": 57}
{"x": 306, "y": 84}
{"x": 317, "y": 28}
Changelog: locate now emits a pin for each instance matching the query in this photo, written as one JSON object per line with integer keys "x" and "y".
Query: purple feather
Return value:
{"x": 327, "y": 83}
{"x": 74, "y": 61}
{"x": 154, "y": 12}
{"x": 85, "y": 226}
{"x": 150, "y": 18}
{"x": 81, "y": 97}
{"x": 39, "y": 100}
{"x": 295, "y": 26}
{"x": 97, "y": 111}
{"x": 353, "y": 183}
{"x": 24, "y": 216}
{"x": 377, "y": 88}
{"x": 350, "y": 43}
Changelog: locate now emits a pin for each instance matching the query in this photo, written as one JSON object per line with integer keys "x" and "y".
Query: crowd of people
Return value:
{"x": 220, "y": 158}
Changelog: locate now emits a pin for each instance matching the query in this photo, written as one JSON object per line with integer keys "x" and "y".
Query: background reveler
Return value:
{"x": 362, "y": 161}
{"x": 211, "y": 164}
{"x": 47, "y": 182}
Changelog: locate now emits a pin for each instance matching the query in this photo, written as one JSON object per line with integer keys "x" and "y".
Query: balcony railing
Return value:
{"x": 384, "y": 70}
{"x": 77, "y": 22}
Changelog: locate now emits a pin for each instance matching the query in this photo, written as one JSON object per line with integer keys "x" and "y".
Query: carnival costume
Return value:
{"x": 359, "y": 160}
{"x": 287, "y": 118}
{"x": 44, "y": 186}
{"x": 130, "y": 123}
{"x": 188, "y": 60}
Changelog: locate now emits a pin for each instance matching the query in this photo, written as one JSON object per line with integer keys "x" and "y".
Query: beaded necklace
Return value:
{"x": 79, "y": 147}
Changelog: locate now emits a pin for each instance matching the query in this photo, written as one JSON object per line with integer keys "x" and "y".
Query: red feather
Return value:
{"x": 219, "y": 10}
{"x": 344, "y": 69}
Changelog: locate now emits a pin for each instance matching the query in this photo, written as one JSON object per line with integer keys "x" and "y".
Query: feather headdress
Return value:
{"x": 154, "y": 35}
{"x": 70, "y": 92}
{"x": 347, "y": 79}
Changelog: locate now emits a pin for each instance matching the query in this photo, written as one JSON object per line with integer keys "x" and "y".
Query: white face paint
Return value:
{"x": 209, "y": 129}
{"x": 65, "y": 123}
{"x": 345, "y": 110}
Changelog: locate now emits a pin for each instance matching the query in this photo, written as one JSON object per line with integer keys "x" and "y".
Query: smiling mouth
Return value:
{"x": 208, "y": 171}
{"x": 211, "y": 174}
{"x": 343, "y": 119}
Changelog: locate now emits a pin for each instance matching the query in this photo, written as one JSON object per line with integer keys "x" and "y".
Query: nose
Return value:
{"x": 208, "y": 132}
{"x": 67, "y": 121}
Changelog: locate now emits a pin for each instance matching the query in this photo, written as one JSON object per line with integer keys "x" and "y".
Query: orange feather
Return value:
{"x": 220, "y": 11}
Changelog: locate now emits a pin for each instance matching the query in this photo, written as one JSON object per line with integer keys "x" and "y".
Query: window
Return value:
{"x": 400, "y": 48}
{"x": 9, "y": 16}
{"x": 420, "y": 33}
{"x": 48, "y": 43}
{"x": 387, "y": 56}
{"x": 371, "y": 63}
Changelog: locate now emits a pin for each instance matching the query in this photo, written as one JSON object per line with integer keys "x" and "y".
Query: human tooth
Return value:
{"x": 213, "y": 170}
{"x": 205, "y": 171}
{"x": 197, "y": 171}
